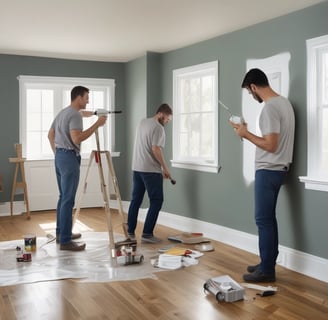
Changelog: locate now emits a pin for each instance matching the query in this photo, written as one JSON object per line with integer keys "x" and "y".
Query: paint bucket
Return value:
{"x": 30, "y": 242}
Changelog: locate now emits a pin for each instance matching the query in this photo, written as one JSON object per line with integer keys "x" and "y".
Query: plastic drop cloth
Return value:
{"x": 94, "y": 264}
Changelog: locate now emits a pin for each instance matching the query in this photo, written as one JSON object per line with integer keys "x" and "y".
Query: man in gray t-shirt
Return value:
{"x": 149, "y": 168}
{"x": 274, "y": 153}
{"x": 65, "y": 136}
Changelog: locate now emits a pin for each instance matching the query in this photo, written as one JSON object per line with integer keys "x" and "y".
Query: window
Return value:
{"x": 41, "y": 98}
{"x": 317, "y": 113}
{"x": 195, "y": 121}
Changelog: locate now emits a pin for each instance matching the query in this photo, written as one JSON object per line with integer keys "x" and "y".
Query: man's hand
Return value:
{"x": 268, "y": 142}
{"x": 240, "y": 129}
{"x": 101, "y": 121}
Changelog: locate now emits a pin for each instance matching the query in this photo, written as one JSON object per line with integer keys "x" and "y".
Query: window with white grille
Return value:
{"x": 317, "y": 114}
{"x": 41, "y": 98}
{"x": 195, "y": 117}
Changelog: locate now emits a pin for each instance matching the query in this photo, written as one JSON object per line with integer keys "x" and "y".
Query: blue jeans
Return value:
{"x": 67, "y": 164}
{"x": 153, "y": 183}
{"x": 267, "y": 186}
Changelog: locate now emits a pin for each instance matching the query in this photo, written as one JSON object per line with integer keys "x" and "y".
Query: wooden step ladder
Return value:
{"x": 96, "y": 155}
{"x": 19, "y": 160}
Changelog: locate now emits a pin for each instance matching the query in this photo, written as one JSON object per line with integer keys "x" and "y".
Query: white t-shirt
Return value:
{"x": 66, "y": 120}
{"x": 278, "y": 117}
{"x": 149, "y": 133}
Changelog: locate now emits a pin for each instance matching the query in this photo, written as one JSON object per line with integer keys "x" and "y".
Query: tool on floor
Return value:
{"x": 19, "y": 160}
{"x": 224, "y": 288}
{"x": 127, "y": 254}
{"x": 264, "y": 291}
{"x": 97, "y": 156}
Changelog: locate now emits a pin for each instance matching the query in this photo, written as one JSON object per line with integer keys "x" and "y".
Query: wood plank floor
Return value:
{"x": 174, "y": 295}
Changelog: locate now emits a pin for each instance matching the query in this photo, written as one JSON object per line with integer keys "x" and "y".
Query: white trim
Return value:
{"x": 314, "y": 184}
{"x": 196, "y": 166}
{"x": 18, "y": 208}
{"x": 315, "y": 179}
{"x": 307, "y": 264}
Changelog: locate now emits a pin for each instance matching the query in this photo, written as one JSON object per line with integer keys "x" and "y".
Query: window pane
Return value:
{"x": 96, "y": 100}
{"x": 324, "y": 141}
{"x": 194, "y": 95}
{"x": 195, "y": 134}
{"x": 33, "y": 143}
{"x": 33, "y": 100}
{"x": 207, "y": 93}
{"x": 207, "y": 136}
{"x": 185, "y": 96}
{"x": 66, "y": 98}
{"x": 33, "y": 122}
{"x": 47, "y": 101}
{"x": 325, "y": 79}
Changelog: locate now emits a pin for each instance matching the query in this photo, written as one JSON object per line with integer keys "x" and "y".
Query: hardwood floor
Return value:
{"x": 174, "y": 295}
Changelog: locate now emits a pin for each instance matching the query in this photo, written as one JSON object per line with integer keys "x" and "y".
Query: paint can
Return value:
{"x": 30, "y": 242}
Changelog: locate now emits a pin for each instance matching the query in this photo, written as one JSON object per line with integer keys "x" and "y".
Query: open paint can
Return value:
{"x": 30, "y": 242}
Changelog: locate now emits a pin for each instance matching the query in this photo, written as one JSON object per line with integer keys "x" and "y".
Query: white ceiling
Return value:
{"x": 122, "y": 30}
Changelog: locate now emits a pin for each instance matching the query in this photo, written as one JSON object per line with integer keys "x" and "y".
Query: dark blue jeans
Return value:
{"x": 267, "y": 186}
{"x": 67, "y": 165}
{"x": 153, "y": 183}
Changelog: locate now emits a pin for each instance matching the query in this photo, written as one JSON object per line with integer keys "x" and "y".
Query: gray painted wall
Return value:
{"x": 144, "y": 83}
{"x": 12, "y": 66}
{"x": 224, "y": 198}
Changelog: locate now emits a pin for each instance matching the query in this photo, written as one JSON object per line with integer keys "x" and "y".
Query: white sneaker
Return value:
{"x": 151, "y": 239}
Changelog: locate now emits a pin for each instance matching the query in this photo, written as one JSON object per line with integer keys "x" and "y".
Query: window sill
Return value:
{"x": 195, "y": 166}
{"x": 314, "y": 183}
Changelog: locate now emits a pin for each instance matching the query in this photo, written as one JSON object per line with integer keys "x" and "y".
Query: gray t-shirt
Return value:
{"x": 277, "y": 116}
{"x": 149, "y": 133}
{"x": 66, "y": 120}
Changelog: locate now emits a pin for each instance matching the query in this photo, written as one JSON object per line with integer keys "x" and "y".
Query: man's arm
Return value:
{"x": 158, "y": 154}
{"x": 78, "y": 136}
{"x": 51, "y": 138}
{"x": 268, "y": 142}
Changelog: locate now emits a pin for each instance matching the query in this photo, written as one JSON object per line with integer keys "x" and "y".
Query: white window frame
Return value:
{"x": 67, "y": 83}
{"x": 200, "y": 164}
{"x": 316, "y": 178}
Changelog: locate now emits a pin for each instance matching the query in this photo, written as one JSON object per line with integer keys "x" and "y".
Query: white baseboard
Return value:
{"x": 18, "y": 208}
{"x": 307, "y": 264}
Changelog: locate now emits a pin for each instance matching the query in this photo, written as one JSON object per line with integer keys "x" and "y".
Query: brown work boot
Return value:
{"x": 74, "y": 237}
{"x": 73, "y": 246}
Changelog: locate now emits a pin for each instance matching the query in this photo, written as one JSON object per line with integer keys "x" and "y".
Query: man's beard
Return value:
{"x": 257, "y": 97}
{"x": 161, "y": 120}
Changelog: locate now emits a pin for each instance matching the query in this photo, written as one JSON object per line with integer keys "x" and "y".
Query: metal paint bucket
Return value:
{"x": 30, "y": 242}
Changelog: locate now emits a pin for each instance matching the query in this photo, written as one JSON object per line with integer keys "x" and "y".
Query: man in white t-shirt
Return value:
{"x": 274, "y": 152}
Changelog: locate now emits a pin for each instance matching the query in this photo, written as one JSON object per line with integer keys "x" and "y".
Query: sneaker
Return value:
{"x": 132, "y": 236}
{"x": 151, "y": 239}
{"x": 73, "y": 246}
{"x": 259, "y": 276}
{"x": 251, "y": 269}
{"x": 74, "y": 237}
